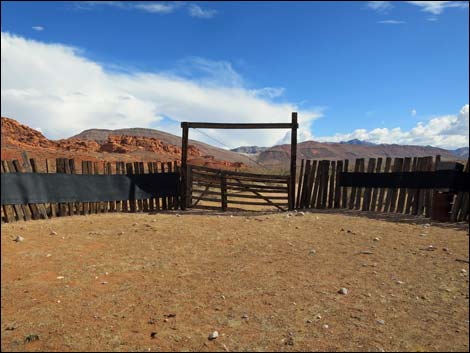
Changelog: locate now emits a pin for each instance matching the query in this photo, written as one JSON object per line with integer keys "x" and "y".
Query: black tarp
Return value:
{"x": 24, "y": 188}
{"x": 441, "y": 179}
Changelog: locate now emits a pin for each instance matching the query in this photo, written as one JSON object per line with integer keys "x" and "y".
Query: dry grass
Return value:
{"x": 210, "y": 270}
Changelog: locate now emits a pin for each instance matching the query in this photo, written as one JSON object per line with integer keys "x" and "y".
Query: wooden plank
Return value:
{"x": 223, "y": 191}
{"x": 357, "y": 164}
{"x": 337, "y": 197}
{"x": 184, "y": 166}
{"x": 241, "y": 174}
{"x": 41, "y": 207}
{"x": 358, "y": 198}
{"x": 398, "y": 166}
{"x": 457, "y": 213}
{"x": 267, "y": 199}
{"x": 331, "y": 194}
{"x": 420, "y": 198}
{"x": 368, "y": 191}
{"x": 171, "y": 199}
{"x": 73, "y": 170}
{"x": 428, "y": 192}
{"x": 325, "y": 172}
{"x": 99, "y": 205}
{"x": 431, "y": 196}
{"x": 85, "y": 205}
{"x": 34, "y": 208}
{"x": 383, "y": 191}
{"x": 165, "y": 199}
{"x": 238, "y": 125}
{"x": 316, "y": 177}
{"x": 305, "y": 187}
{"x": 311, "y": 180}
{"x": 8, "y": 210}
{"x": 299, "y": 187}
{"x": 152, "y": 200}
{"x": 70, "y": 205}
{"x": 375, "y": 191}
{"x": 25, "y": 211}
{"x": 237, "y": 202}
{"x": 403, "y": 191}
{"x": 52, "y": 212}
{"x": 130, "y": 171}
{"x": 344, "y": 189}
{"x": 411, "y": 192}
{"x": 157, "y": 200}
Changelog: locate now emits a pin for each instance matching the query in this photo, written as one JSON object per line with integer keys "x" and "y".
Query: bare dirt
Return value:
{"x": 253, "y": 278}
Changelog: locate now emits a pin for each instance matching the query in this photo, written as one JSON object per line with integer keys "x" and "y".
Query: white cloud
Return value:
{"x": 391, "y": 22}
{"x": 38, "y": 28}
{"x": 53, "y": 86}
{"x": 437, "y": 7}
{"x": 162, "y": 8}
{"x": 449, "y": 131}
{"x": 196, "y": 11}
{"x": 379, "y": 6}
{"x": 413, "y": 112}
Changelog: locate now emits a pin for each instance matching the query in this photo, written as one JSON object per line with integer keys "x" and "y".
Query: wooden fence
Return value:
{"x": 236, "y": 188}
{"x": 12, "y": 213}
{"x": 318, "y": 187}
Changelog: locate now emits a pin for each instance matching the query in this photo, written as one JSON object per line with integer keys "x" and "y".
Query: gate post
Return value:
{"x": 293, "y": 160}
{"x": 184, "y": 166}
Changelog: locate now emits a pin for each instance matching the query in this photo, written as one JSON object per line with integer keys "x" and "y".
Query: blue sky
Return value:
{"x": 351, "y": 69}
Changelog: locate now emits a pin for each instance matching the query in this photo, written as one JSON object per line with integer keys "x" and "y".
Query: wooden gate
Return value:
{"x": 207, "y": 186}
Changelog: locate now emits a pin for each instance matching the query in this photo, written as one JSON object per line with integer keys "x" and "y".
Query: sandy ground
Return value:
{"x": 253, "y": 278}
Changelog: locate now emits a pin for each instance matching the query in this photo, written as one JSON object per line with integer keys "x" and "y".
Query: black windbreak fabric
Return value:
{"x": 441, "y": 179}
{"x": 23, "y": 188}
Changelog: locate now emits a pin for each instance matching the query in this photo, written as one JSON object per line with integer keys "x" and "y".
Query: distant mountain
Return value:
{"x": 279, "y": 156}
{"x": 358, "y": 142}
{"x": 249, "y": 149}
{"x": 461, "y": 152}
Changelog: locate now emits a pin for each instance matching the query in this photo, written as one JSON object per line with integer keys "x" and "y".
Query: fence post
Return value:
{"x": 223, "y": 190}
{"x": 293, "y": 160}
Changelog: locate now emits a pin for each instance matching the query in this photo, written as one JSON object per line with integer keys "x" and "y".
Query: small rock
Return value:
{"x": 104, "y": 282}
{"x": 300, "y": 213}
{"x": 213, "y": 335}
{"x": 309, "y": 321}
{"x": 153, "y": 335}
{"x": 134, "y": 224}
{"x": 445, "y": 249}
{"x": 376, "y": 239}
{"x": 48, "y": 255}
{"x": 318, "y": 317}
{"x": 60, "y": 277}
{"x": 431, "y": 248}
{"x": 31, "y": 338}
{"x": 312, "y": 252}
{"x": 151, "y": 321}
{"x": 178, "y": 215}
{"x": 120, "y": 233}
{"x": 53, "y": 232}
{"x": 19, "y": 239}
{"x": 11, "y": 327}
{"x": 463, "y": 270}
{"x": 381, "y": 322}
{"x": 289, "y": 341}
{"x": 400, "y": 282}
{"x": 427, "y": 225}
{"x": 245, "y": 316}
{"x": 343, "y": 291}
{"x": 326, "y": 326}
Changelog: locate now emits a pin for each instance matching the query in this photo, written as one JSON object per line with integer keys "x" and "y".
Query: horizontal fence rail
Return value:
{"x": 384, "y": 185}
{"x": 145, "y": 200}
{"x": 207, "y": 185}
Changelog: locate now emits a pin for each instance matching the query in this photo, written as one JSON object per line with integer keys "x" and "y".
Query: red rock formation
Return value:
{"x": 17, "y": 138}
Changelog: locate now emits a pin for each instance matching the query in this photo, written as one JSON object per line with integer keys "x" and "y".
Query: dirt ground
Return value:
{"x": 265, "y": 282}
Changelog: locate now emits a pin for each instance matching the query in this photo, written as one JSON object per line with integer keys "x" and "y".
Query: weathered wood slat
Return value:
{"x": 8, "y": 210}
{"x": 232, "y": 173}
{"x": 305, "y": 187}
{"x": 339, "y": 168}
{"x": 384, "y": 191}
{"x": 368, "y": 191}
{"x": 375, "y": 191}
{"x": 344, "y": 190}
{"x": 403, "y": 191}
{"x": 352, "y": 200}
{"x": 398, "y": 166}
{"x": 299, "y": 187}
{"x": 411, "y": 193}
{"x": 331, "y": 191}
{"x": 25, "y": 211}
